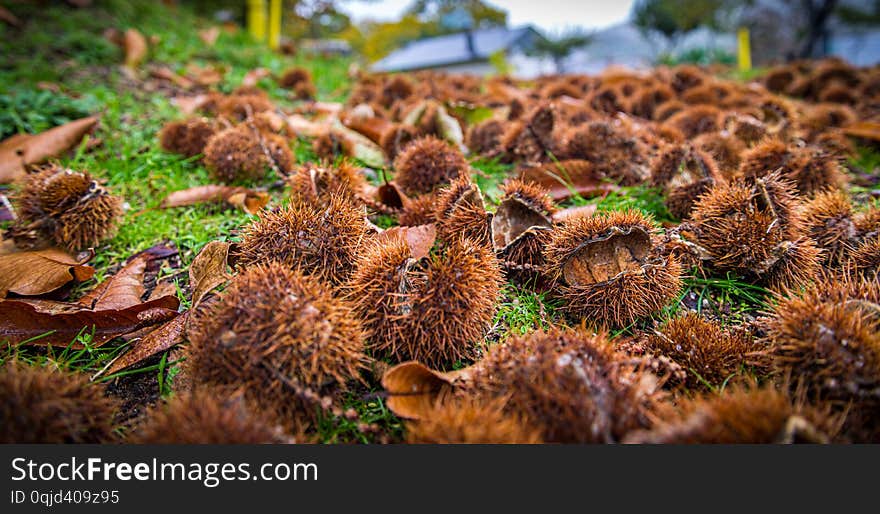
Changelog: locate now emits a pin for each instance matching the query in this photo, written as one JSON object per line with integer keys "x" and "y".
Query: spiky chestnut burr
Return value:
{"x": 747, "y": 129}
{"x": 465, "y": 421}
{"x": 461, "y": 213}
{"x": 685, "y": 173}
{"x": 724, "y": 149}
{"x": 816, "y": 170}
{"x": 614, "y": 152}
{"x": 434, "y": 310}
{"x": 605, "y": 271}
{"x": 740, "y": 415}
{"x": 299, "y": 80}
{"x": 572, "y": 385}
{"x": 418, "y": 211}
{"x": 59, "y": 206}
{"x": 281, "y": 337}
{"x": 521, "y": 228}
{"x": 828, "y": 219}
{"x": 320, "y": 240}
{"x": 187, "y": 137}
{"x": 238, "y": 108}
{"x": 709, "y": 354}
{"x": 317, "y": 184}
{"x": 533, "y": 137}
{"x": 695, "y": 120}
{"x": 755, "y": 229}
{"x": 209, "y": 416}
{"x": 242, "y": 153}
{"x": 428, "y": 163}
{"x": 865, "y": 259}
{"x": 42, "y": 405}
{"x": 484, "y": 138}
{"x": 828, "y": 338}
{"x": 398, "y": 136}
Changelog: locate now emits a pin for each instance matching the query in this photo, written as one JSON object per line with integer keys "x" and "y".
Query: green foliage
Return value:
{"x": 674, "y": 18}
{"x": 648, "y": 200}
{"x": 499, "y": 63}
{"x": 32, "y": 111}
{"x": 699, "y": 56}
{"x": 559, "y": 46}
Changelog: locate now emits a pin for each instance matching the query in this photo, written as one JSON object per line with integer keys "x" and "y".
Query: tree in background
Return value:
{"x": 675, "y": 18}
{"x": 559, "y": 46}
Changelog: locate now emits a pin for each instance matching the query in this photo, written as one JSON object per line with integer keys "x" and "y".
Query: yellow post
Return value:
{"x": 274, "y": 24}
{"x": 745, "y": 52}
{"x": 257, "y": 19}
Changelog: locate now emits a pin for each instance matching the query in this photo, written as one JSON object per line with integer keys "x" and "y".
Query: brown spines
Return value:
{"x": 725, "y": 150}
{"x": 317, "y": 184}
{"x": 281, "y": 337}
{"x": 521, "y": 227}
{"x": 865, "y": 259}
{"x": 570, "y": 384}
{"x": 187, "y": 137}
{"x": 42, "y": 405}
{"x": 816, "y": 170}
{"x": 318, "y": 239}
{"x": 426, "y": 164}
{"x": 646, "y": 101}
{"x": 779, "y": 78}
{"x": 484, "y": 138}
{"x": 687, "y": 76}
{"x": 685, "y": 173}
{"x": 667, "y": 109}
{"x": 741, "y": 415}
{"x": 820, "y": 117}
{"x": 828, "y": 340}
{"x": 238, "y": 108}
{"x": 748, "y": 129}
{"x": 696, "y": 120}
{"x": 460, "y": 212}
{"x": 435, "y": 310}
{"x": 235, "y": 154}
{"x": 766, "y": 157}
{"x": 209, "y": 416}
{"x": 465, "y": 421}
{"x": 398, "y": 88}
{"x": 396, "y": 138}
{"x": 614, "y": 153}
{"x": 839, "y": 93}
{"x": 531, "y": 138}
{"x": 708, "y": 353}
{"x": 298, "y": 80}
{"x": 62, "y": 207}
{"x": 754, "y": 229}
{"x": 418, "y": 211}
{"x": 828, "y": 219}
{"x": 605, "y": 271}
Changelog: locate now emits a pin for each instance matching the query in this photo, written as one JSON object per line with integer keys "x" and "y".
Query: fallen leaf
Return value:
{"x": 413, "y": 388}
{"x": 580, "y": 211}
{"x": 864, "y": 130}
{"x": 564, "y": 179}
{"x": 302, "y": 126}
{"x": 420, "y": 238}
{"x": 205, "y": 76}
{"x": 135, "y": 46}
{"x": 126, "y": 287}
{"x": 39, "y": 272}
{"x": 190, "y": 104}
{"x": 159, "y": 340}
{"x": 21, "y": 322}
{"x": 252, "y": 77}
{"x": 23, "y": 150}
{"x": 248, "y": 200}
{"x": 166, "y": 73}
{"x": 208, "y": 270}
{"x": 209, "y": 36}
{"x": 450, "y": 128}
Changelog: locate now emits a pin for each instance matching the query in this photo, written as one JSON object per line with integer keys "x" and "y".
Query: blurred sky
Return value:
{"x": 549, "y": 15}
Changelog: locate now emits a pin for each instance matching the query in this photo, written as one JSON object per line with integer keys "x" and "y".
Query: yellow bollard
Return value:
{"x": 274, "y": 24}
{"x": 257, "y": 19}
{"x": 744, "y": 54}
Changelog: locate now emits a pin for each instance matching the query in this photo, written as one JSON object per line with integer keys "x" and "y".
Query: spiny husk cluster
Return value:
{"x": 829, "y": 220}
{"x": 570, "y": 384}
{"x": 209, "y": 416}
{"x": 685, "y": 173}
{"x": 709, "y": 353}
{"x": 320, "y": 240}
{"x": 280, "y": 336}
{"x": 42, "y": 405}
{"x": 605, "y": 270}
{"x": 59, "y": 206}
{"x": 521, "y": 227}
{"x": 435, "y": 310}
{"x": 615, "y": 154}
{"x": 187, "y": 137}
{"x": 755, "y": 229}
{"x": 461, "y": 213}
{"x": 298, "y": 80}
{"x": 319, "y": 183}
{"x": 466, "y": 421}
{"x": 428, "y": 163}
{"x": 741, "y": 415}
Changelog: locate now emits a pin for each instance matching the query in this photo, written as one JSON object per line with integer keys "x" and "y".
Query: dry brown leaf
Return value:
{"x": 166, "y": 73}
{"x": 302, "y": 126}
{"x": 209, "y": 36}
{"x": 420, "y": 238}
{"x": 21, "y": 322}
{"x": 864, "y": 130}
{"x": 208, "y": 270}
{"x": 248, "y": 200}
{"x": 23, "y": 150}
{"x": 135, "y": 46}
{"x": 40, "y": 272}
{"x": 580, "y": 211}
{"x": 252, "y": 77}
{"x": 205, "y": 76}
{"x": 190, "y": 104}
{"x": 126, "y": 287}
{"x": 413, "y": 388}
{"x": 565, "y": 179}
{"x": 159, "y": 340}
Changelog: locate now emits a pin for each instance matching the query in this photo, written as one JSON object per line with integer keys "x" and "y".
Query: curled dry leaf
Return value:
{"x": 864, "y": 130}
{"x": 248, "y": 200}
{"x": 252, "y": 77}
{"x": 565, "y": 179}
{"x": 135, "y": 46}
{"x": 23, "y": 150}
{"x": 166, "y": 73}
{"x": 208, "y": 270}
{"x": 167, "y": 335}
{"x": 413, "y": 388}
{"x": 125, "y": 288}
{"x": 209, "y": 36}
{"x": 40, "y": 272}
{"x": 190, "y": 104}
{"x": 21, "y": 322}
{"x": 420, "y": 238}
{"x": 205, "y": 76}
{"x": 302, "y": 126}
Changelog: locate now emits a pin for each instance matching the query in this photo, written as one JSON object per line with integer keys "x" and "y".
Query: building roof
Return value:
{"x": 453, "y": 49}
